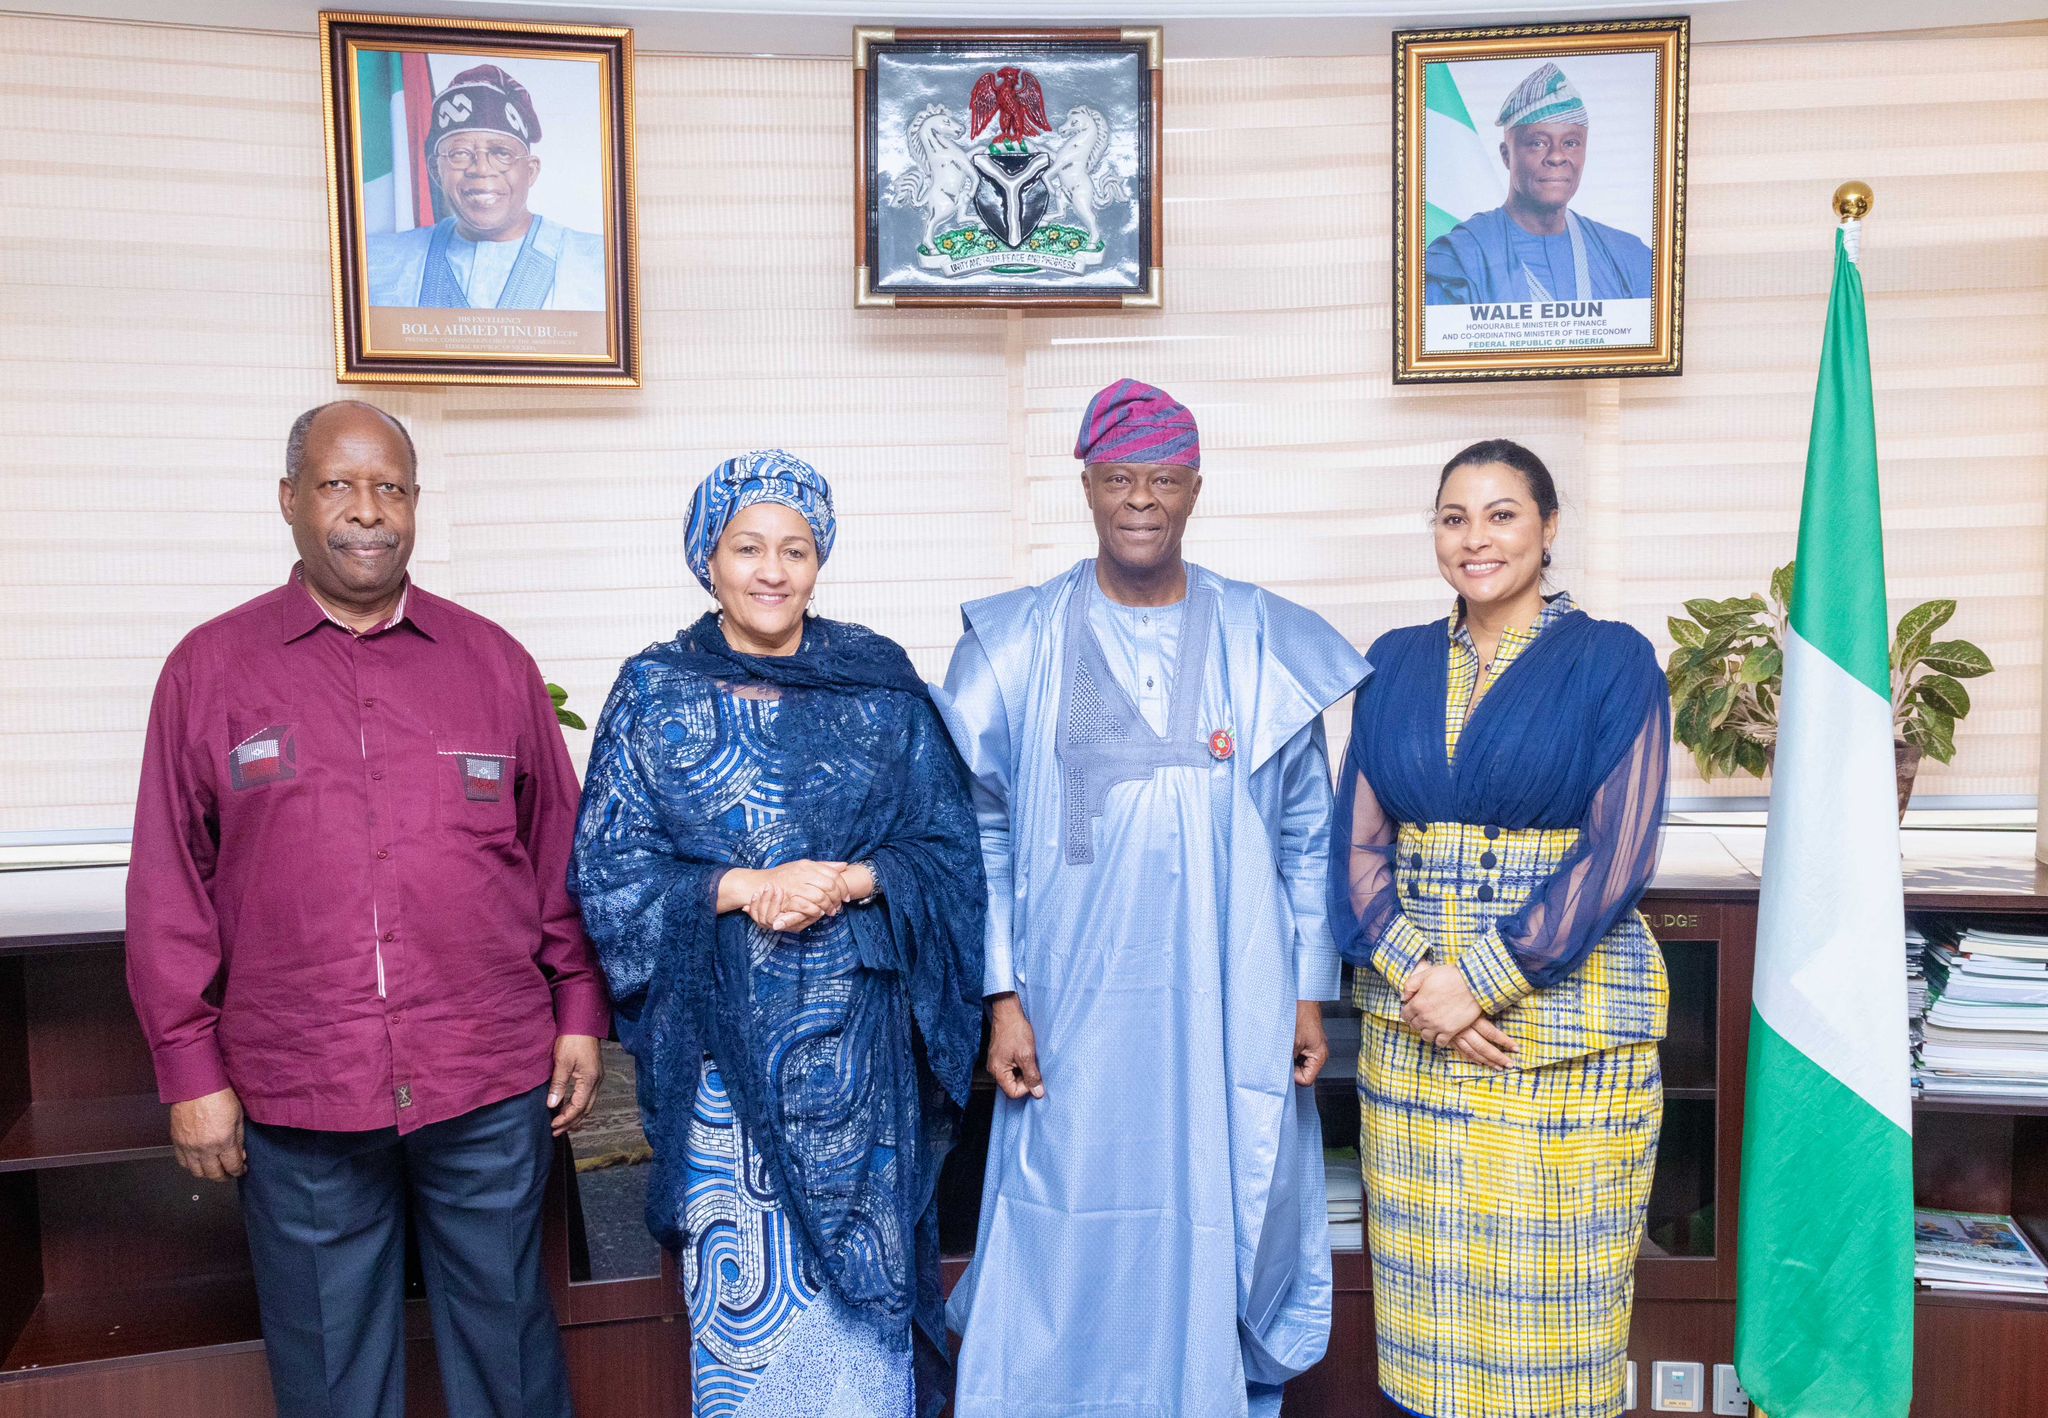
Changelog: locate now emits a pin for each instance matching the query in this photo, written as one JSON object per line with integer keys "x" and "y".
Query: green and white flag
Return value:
{"x": 1824, "y": 1254}
{"x": 1462, "y": 172}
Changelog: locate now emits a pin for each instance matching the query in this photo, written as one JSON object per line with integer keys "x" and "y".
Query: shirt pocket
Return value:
{"x": 474, "y": 773}
{"x": 263, "y": 750}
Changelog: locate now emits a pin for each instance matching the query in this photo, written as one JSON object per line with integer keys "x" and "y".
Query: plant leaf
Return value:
{"x": 1688, "y": 725}
{"x": 1919, "y": 624}
{"x": 1945, "y": 694}
{"x": 1753, "y": 758}
{"x": 1705, "y": 611}
{"x": 557, "y": 693}
{"x": 1781, "y": 584}
{"x": 1763, "y": 664}
{"x": 1686, "y": 632}
{"x": 1744, "y": 605}
{"x": 1934, "y": 732}
{"x": 1956, "y": 657}
{"x": 1720, "y": 699}
{"x": 569, "y": 718}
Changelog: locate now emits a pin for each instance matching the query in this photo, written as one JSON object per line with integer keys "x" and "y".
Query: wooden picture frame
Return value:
{"x": 1014, "y": 168}
{"x": 481, "y": 212}
{"x": 1539, "y": 200}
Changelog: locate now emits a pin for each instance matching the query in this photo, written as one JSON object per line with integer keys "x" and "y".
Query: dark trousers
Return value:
{"x": 326, "y": 1217}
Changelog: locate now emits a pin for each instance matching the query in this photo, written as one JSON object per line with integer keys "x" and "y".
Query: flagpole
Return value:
{"x": 1852, "y": 202}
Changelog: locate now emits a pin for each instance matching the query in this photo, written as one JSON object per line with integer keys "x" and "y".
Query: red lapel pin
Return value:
{"x": 1221, "y": 744}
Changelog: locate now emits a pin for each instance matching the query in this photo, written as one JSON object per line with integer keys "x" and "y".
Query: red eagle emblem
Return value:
{"x": 1221, "y": 745}
{"x": 1013, "y": 97}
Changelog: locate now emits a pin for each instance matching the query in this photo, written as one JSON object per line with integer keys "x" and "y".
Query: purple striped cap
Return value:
{"x": 1132, "y": 422}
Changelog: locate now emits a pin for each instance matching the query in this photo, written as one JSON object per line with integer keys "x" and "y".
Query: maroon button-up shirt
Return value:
{"x": 347, "y": 896}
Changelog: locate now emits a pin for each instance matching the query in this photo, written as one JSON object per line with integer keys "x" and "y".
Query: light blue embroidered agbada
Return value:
{"x": 554, "y": 268}
{"x": 1153, "y": 1241}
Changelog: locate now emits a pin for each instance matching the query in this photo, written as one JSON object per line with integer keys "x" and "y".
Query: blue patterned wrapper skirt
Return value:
{"x": 1504, "y": 1214}
{"x": 766, "y": 1340}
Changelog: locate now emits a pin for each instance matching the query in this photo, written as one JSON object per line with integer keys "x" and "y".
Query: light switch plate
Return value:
{"x": 1628, "y": 1393}
{"x": 1730, "y": 1397}
{"x": 1677, "y": 1388}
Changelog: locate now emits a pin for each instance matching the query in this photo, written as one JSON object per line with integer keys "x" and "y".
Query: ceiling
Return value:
{"x": 1194, "y": 28}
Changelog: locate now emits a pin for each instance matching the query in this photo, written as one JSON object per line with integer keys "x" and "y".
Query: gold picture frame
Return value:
{"x": 1508, "y": 262}
{"x": 482, "y": 216}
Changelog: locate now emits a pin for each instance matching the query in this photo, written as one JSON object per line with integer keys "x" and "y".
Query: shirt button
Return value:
{"x": 1491, "y": 833}
{"x": 1485, "y": 893}
{"x": 1416, "y": 861}
{"x": 1487, "y": 860}
{"x": 390, "y": 936}
{"x": 1148, "y": 681}
{"x": 369, "y": 704}
{"x": 377, "y": 775}
{"x": 1413, "y": 890}
{"x": 382, "y": 853}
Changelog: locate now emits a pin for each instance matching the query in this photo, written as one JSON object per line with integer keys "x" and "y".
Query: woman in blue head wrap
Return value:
{"x": 777, "y": 859}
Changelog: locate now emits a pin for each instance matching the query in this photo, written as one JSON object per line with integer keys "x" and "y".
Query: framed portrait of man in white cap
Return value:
{"x": 1539, "y": 200}
{"x": 481, "y": 204}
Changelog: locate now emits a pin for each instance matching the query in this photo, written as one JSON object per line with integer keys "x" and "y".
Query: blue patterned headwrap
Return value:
{"x": 769, "y": 475}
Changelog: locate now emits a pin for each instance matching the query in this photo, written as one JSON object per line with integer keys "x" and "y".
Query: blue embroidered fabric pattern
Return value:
{"x": 843, "y": 1051}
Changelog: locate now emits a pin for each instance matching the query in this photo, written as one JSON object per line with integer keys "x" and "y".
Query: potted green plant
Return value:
{"x": 1727, "y": 672}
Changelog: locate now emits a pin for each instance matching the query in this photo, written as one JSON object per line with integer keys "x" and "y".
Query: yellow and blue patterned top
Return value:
{"x": 1454, "y": 882}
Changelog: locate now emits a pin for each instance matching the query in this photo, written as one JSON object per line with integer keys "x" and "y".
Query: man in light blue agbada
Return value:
{"x": 491, "y": 252}
{"x": 1534, "y": 246}
{"x": 1153, "y": 791}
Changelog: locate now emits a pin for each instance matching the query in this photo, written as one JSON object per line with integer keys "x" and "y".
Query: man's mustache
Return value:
{"x": 349, "y": 541}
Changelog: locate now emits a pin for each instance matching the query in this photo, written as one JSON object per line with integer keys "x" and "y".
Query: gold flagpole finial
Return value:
{"x": 1853, "y": 201}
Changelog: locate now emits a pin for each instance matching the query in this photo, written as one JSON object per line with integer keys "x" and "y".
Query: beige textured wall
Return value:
{"x": 164, "y": 313}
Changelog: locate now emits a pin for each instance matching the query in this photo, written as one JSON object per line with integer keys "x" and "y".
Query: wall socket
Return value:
{"x": 1730, "y": 1397}
{"x": 1678, "y": 1388}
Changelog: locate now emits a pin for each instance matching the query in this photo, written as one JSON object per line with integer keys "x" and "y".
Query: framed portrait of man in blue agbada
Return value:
{"x": 480, "y": 188}
{"x": 1539, "y": 200}
{"x": 1007, "y": 167}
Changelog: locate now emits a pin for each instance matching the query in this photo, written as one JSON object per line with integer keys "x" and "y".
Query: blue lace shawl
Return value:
{"x": 849, "y": 1075}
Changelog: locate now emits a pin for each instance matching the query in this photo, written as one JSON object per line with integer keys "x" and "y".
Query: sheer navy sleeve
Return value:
{"x": 1595, "y": 885}
{"x": 1365, "y": 909}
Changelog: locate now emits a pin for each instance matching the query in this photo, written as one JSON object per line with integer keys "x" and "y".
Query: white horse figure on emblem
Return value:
{"x": 1078, "y": 179}
{"x": 943, "y": 182}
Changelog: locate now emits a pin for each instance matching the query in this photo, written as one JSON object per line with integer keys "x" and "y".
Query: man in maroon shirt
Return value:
{"x": 353, "y": 952}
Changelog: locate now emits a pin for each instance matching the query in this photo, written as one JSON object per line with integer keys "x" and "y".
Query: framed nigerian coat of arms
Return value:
{"x": 1007, "y": 167}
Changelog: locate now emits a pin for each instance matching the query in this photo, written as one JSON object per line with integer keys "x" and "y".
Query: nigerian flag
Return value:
{"x": 1824, "y": 1255}
{"x": 1462, "y": 172}
{"x": 393, "y": 92}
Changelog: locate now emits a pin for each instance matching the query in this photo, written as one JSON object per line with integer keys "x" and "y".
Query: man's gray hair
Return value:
{"x": 302, "y": 429}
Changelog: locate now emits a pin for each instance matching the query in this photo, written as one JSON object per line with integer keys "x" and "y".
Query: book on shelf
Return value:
{"x": 1975, "y": 1251}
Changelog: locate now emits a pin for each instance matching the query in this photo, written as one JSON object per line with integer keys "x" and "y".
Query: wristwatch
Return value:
{"x": 873, "y": 876}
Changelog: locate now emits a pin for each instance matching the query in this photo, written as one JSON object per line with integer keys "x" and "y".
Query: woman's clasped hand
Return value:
{"x": 1438, "y": 1005}
{"x": 796, "y": 895}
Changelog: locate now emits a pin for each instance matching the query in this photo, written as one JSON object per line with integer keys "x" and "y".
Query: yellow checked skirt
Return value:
{"x": 1504, "y": 1214}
